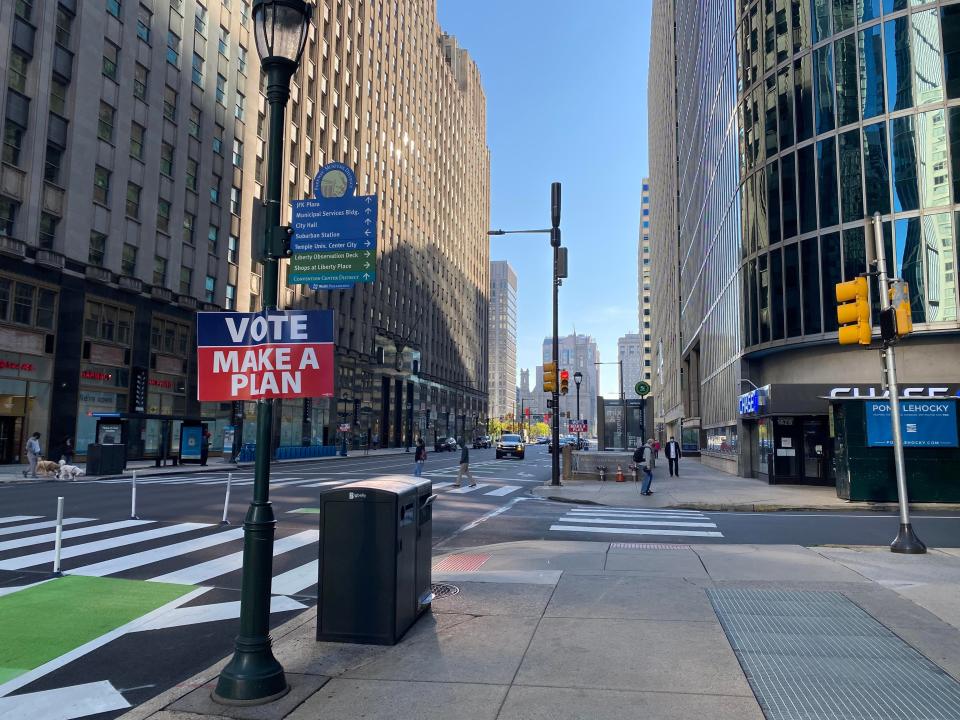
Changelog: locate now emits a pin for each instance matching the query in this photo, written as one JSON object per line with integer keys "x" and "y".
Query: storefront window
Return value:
{"x": 722, "y": 440}
{"x": 690, "y": 440}
{"x": 291, "y": 422}
{"x": 94, "y": 402}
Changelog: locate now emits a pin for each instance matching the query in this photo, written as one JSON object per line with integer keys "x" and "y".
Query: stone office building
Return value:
{"x": 824, "y": 114}
{"x": 130, "y": 178}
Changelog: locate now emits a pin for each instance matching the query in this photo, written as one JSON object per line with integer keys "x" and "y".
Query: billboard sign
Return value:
{"x": 270, "y": 354}
{"x": 577, "y": 426}
{"x": 923, "y": 423}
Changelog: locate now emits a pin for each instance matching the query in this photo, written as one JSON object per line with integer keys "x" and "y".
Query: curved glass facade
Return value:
{"x": 845, "y": 108}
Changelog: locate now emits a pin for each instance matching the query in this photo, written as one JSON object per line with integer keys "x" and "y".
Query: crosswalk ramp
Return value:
{"x": 637, "y": 522}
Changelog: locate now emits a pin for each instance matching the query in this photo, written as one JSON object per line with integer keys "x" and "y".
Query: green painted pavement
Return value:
{"x": 41, "y": 623}
{"x": 305, "y": 511}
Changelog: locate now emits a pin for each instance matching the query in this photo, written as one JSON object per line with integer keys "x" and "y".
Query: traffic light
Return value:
{"x": 853, "y": 312}
{"x": 564, "y": 381}
{"x": 900, "y": 302}
{"x": 549, "y": 377}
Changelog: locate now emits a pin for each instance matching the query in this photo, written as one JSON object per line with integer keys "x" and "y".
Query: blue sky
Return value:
{"x": 565, "y": 83}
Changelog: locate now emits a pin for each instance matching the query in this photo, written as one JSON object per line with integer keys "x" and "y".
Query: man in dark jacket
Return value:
{"x": 672, "y": 451}
{"x": 464, "y": 468}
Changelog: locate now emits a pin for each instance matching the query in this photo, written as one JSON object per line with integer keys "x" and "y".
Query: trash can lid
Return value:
{"x": 393, "y": 485}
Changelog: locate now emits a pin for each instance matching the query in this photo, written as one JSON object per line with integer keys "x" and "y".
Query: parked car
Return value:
{"x": 481, "y": 442}
{"x": 510, "y": 445}
{"x": 445, "y": 444}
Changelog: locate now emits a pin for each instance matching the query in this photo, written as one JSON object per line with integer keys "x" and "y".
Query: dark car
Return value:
{"x": 510, "y": 446}
{"x": 445, "y": 444}
{"x": 481, "y": 442}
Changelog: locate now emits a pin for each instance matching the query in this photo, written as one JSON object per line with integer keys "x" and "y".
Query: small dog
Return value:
{"x": 47, "y": 467}
{"x": 71, "y": 472}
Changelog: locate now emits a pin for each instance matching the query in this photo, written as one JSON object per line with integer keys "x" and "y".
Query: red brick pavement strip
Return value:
{"x": 460, "y": 563}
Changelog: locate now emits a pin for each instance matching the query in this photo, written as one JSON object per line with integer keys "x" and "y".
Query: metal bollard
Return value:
{"x": 133, "y": 497}
{"x": 602, "y": 469}
{"x": 59, "y": 538}
{"x": 226, "y": 500}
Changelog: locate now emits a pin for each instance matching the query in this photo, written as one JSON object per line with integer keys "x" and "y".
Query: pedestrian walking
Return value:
{"x": 672, "y": 451}
{"x": 464, "y": 468}
{"x": 33, "y": 454}
{"x": 419, "y": 458}
{"x": 68, "y": 450}
{"x": 647, "y": 466}
{"x": 205, "y": 446}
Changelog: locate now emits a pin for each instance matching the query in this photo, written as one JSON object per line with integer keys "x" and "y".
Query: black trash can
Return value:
{"x": 371, "y": 580}
{"x": 106, "y": 459}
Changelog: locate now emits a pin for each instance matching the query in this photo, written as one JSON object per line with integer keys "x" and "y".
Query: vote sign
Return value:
{"x": 576, "y": 426}
{"x": 270, "y": 354}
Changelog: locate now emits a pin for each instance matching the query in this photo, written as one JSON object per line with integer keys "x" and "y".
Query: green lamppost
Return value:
{"x": 254, "y": 676}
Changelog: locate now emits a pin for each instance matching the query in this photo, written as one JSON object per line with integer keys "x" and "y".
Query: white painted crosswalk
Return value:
{"x": 637, "y": 521}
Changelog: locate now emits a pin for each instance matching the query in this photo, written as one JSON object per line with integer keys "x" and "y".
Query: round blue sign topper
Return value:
{"x": 334, "y": 180}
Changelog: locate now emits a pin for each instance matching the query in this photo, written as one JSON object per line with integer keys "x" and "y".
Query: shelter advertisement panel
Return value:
{"x": 923, "y": 423}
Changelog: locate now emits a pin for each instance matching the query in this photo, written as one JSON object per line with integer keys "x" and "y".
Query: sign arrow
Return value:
{"x": 366, "y": 276}
{"x": 368, "y": 211}
{"x": 367, "y": 221}
{"x": 366, "y": 266}
{"x": 367, "y": 233}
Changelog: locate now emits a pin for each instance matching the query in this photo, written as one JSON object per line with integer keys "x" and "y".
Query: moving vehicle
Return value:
{"x": 445, "y": 444}
{"x": 481, "y": 442}
{"x": 510, "y": 445}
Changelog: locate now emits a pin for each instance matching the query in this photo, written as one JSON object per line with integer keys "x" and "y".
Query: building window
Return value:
{"x": 163, "y": 215}
{"x": 51, "y": 163}
{"x": 242, "y": 59}
{"x": 231, "y": 297}
{"x": 12, "y": 142}
{"x": 128, "y": 260}
{"x": 98, "y": 248}
{"x": 209, "y": 289}
{"x": 212, "y": 234}
{"x": 233, "y": 242}
{"x": 244, "y": 12}
{"x": 113, "y": 7}
{"x": 240, "y": 109}
{"x": 108, "y": 322}
{"x": 111, "y": 58}
{"x": 186, "y": 280}
{"x": 215, "y": 190}
{"x": 144, "y": 20}
{"x": 8, "y": 214}
{"x": 189, "y": 221}
{"x": 173, "y": 48}
{"x": 140, "y": 74}
{"x": 191, "y": 174}
{"x": 17, "y": 75}
{"x": 64, "y": 26}
{"x": 193, "y": 124}
{"x": 200, "y": 20}
{"x": 221, "y": 89}
{"x": 170, "y": 103}
{"x": 223, "y": 42}
{"x": 235, "y": 201}
{"x": 48, "y": 230}
{"x": 159, "y": 271}
{"x": 137, "y": 134}
{"x": 237, "y": 152}
{"x": 133, "y": 200}
{"x": 58, "y": 96}
{"x": 166, "y": 159}
{"x": 105, "y": 122}
{"x": 101, "y": 185}
{"x": 198, "y": 70}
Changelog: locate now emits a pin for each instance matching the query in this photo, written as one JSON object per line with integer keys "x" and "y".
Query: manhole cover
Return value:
{"x": 441, "y": 590}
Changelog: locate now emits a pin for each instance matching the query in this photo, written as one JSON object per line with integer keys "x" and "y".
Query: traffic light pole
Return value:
{"x": 906, "y": 541}
{"x": 555, "y": 242}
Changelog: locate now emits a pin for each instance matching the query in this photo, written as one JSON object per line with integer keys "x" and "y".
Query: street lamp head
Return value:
{"x": 280, "y": 29}
{"x": 578, "y": 377}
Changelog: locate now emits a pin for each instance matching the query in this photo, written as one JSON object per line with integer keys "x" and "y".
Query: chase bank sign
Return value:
{"x": 755, "y": 401}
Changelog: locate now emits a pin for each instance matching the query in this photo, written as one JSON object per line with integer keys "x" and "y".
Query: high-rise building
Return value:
{"x": 631, "y": 352}
{"x": 502, "y": 334}
{"x": 821, "y": 116}
{"x": 644, "y": 287}
{"x": 132, "y": 131}
{"x": 577, "y": 353}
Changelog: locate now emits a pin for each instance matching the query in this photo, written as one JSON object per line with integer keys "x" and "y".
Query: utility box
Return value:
{"x": 375, "y": 559}
{"x": 106, "y": 459}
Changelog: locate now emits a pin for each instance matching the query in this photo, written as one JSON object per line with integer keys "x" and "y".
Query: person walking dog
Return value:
{"x": 672, "y": 451}
{"x": 33, "y": 454}
{"x": 464, "y": 468}
{"x": 419, "y": 458}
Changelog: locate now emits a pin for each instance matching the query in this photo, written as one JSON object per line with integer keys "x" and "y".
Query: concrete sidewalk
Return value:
{"x": 702, "y": 488}
{"x": 148, "y": 468}
{"x": 577, "y": 630}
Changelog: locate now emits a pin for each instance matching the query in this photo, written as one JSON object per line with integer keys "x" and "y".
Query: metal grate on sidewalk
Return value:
{"x": 460, "y": 563}
{"x": 818, "y": 656}
{"x": 647, "y": 546}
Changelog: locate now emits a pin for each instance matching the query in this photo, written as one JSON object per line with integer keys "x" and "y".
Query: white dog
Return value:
{"x": 68, "y": 471}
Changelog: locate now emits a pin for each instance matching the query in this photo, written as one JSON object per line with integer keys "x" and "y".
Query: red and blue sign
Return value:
{"x": 270, "y": 354}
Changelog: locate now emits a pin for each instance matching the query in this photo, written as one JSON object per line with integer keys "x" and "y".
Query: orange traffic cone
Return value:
{"x": 620, "y": 477}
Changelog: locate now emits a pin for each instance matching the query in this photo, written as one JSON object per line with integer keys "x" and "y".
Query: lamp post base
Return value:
{"x": 907, "y": 542}
{"x": 253, "y": 677}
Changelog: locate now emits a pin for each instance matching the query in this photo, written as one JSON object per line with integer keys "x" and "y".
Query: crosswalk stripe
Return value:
{"x": 505, "y": 490}
{"x": 468, "y": 489}
{"x": 296, "y": 580}
{"x": 127, "y": 562}
{"x": 67, "y": 534}
{"x": 194, "y": 614}
{"x": 65, "y": 703}
{"x": 635, "y": 531}
{"x": 324, "y": 483}
{"x": 221, "y": 566}
{"x": 651, "y": 516}
{"x": 18, "y": 518}
{"x": 629, "y": 511}
{"x": 26, "y": 561}
{"x": 652, "y": 523}
{"x": 41, "y": 525}
{"x": 441, "y": 485}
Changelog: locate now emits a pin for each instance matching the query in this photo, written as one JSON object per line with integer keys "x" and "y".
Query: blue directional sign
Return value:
{"x": 334, "y": 224}
{"x": 332, "y": 277}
